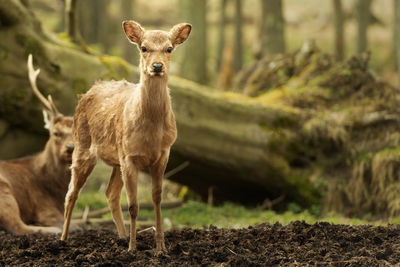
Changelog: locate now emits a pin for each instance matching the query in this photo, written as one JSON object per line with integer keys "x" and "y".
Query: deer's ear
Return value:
{"x": 179, "y": 33}
{"x": 133, "y": 31}
{"x": 47, "y": 119}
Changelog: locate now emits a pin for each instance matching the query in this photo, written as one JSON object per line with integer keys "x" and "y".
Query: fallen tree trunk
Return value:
{"x": 225, "y": 137}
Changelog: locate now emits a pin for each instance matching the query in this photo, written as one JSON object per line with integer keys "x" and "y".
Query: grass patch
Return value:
{"x": 196, "y": 214}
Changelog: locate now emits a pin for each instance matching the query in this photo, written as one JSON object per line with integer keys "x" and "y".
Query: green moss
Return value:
{"x": 80, "y": 85}
{"x": 363, "y": 157}
{"x": 31, "y": 46}
{"x": 117, "y": 67}
{"x": 3, "y": 53}
{"x": 284, "y": 122}
{"x": 390, "y": 152}
{"x": 14, "y": 98}
{"x": 346, "y": 72}
{"x": 306, "y": 194}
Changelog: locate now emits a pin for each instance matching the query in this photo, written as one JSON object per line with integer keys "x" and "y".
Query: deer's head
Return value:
{"x": 155, "y": 46}
{"x": 60, "y": 143}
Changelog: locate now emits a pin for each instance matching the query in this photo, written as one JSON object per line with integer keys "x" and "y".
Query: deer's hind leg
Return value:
{"x": 113, "y": 194}
{"x": 82, "y": 165}
{"x": 10, "y": 217}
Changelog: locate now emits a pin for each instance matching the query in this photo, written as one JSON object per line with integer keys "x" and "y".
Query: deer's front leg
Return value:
{"x": 130, "y": 176}
{"x": 157, "y": 174}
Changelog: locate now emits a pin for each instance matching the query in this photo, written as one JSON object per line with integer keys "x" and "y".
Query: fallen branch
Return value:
{"x": 103, "y": 221}
{"x": 144, "y": 206}
{"x": 176, "y": 170}
{"x": 269, "y": 204}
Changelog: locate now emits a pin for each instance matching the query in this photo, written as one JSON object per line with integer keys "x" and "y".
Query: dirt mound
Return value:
{"x": 263, "y": 245}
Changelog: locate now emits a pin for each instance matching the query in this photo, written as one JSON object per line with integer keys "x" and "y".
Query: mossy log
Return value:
{"x": 225, "y": 137}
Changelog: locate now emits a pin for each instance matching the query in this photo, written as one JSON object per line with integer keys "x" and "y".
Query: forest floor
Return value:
{"x": 296, "y": 244}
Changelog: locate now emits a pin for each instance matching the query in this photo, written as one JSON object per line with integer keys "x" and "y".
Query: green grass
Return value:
{"x": 197, "y": 215}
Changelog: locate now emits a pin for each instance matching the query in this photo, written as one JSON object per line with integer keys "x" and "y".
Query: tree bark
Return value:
{"x": 272, "y": 27}
{"x": 238, "y": 46}
{"x": 363, "y": 14}
{"x": 194, "y": 64}
{"x": 221, "y": 34}
{"x": 339, "y": 31}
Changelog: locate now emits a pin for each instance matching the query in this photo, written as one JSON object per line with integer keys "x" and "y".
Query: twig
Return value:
{"x": 147, "y": 229}
{"x": 268, "y": 204}
{"x": 210, "y": 198}
{"x": 176, "y": 170}
{"x": 231, "y": 251}
{"x": 85, "y": 213}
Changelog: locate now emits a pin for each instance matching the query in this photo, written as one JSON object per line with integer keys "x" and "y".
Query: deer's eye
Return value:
{"x": 169, "y": 49}
{"x": 144, "y": 49}
{"x": 58, "y": 134}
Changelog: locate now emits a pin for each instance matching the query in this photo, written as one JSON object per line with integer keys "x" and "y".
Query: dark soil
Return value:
{"x": 264, "y": 245}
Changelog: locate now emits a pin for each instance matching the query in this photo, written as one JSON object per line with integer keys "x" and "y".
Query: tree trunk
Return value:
{"x": 221, "y": 34}
{"x": 130, "y": 51}
{"x": 194, "y": 64}
{"x": 363, "y": 19}
{"x": 339, "y": 31}
{"x": 272, "y": 27}
{"x": 104, "y": 30}
{"x": 225, "y": 140}
{"x": 71, "y": 18}
{"x": 88, "y": 17}
{"x": 396, "y": 27}
{"x": 238, "y": 47}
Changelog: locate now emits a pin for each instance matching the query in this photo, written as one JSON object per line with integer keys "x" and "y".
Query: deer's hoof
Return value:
{"x": 132, "y": 249}
{"x": 160, "y": 252}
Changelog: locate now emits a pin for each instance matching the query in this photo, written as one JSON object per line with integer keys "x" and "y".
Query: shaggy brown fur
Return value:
{"x": 32, "y": 189}
{"x": 128, "y": 126}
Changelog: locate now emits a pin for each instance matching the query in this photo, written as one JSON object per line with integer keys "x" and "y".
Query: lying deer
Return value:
{"x": 128, "y": 126}
{"x": 32, "y": 189}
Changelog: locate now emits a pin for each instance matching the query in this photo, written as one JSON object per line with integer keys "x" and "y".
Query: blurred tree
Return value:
{"x": 61, "y": 25}
{"x": 71, "y": 18}
{"x": 194, "y": 62}
{"x": 94, "y": 22}
{"x": 221, "y": 33}
{"x": 89, "y": 20}
{"x": 238, "y": 46}
{"x": 272, "y": 27}
{"x": 130, "y": 52}
{"x": 363, "y": 15}
{"x": 396, "y": 27}
{"x": 339, "y": 32}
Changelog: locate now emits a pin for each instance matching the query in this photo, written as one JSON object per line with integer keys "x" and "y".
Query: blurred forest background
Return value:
{"x": 229, "y": 34}
{"x": 288, "y": 107}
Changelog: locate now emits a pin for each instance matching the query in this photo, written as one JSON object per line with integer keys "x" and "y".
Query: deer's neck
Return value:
{"x": 52, "y": 173}
{"x": 154, "y": 96}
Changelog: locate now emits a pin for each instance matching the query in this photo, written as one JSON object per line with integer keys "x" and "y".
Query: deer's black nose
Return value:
{"x": 157, "y": 67}
{"x": 70, "y": 148}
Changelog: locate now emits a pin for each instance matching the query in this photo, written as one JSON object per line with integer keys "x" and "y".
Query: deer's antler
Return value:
{"x": 48, "y": 103}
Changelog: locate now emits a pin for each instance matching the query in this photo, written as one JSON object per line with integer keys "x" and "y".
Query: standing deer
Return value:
{"x": 128, "y": 126}
{"x": 32, "y": 189}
